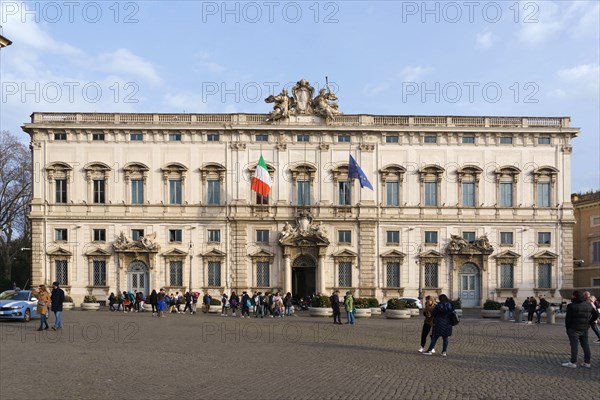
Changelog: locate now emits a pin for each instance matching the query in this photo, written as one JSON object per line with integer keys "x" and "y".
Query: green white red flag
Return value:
{"x": 261, "y": 181}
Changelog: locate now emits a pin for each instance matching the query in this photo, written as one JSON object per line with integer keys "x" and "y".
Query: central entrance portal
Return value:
{"x": 304, "y": 277}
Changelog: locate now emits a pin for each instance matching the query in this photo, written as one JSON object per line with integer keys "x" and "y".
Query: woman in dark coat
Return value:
{"x": 442, "y": 324}
{"x": 153, "y": 299}
{"x": 531, "y": 309}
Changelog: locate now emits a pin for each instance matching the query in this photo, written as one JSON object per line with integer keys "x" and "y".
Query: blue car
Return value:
{"x": 18, "y": 304}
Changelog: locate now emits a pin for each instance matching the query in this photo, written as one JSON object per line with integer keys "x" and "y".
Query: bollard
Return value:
{"x": 503, "y": 313}
{"x": 519, "y": 314}
{"x": 550, "y": 315}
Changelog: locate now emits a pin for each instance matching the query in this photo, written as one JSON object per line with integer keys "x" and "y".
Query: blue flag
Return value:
{"x": 354, "y": 172}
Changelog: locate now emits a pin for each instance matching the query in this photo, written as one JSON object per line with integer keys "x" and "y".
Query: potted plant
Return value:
{"x": 491, "y": 309}
{"x": 68, "y": 303}
{"x": 90, "y": 303}
{"x": 413, "y": 308}
{"x": 397, "y": 309}
{"x": 374, "y": 306}
{"x": 457, "y": 306}
{"x": 362, "y": 308}
{"x": 320, "y": 306}
{"x": 215, "y": 306}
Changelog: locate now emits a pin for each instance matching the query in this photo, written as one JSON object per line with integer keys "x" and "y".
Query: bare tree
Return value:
{"x": 15, "y": 194}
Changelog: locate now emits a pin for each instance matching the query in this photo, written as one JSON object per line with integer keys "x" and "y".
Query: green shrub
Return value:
{"x": 87, "y": 299}
{"x": 411, "y": 304}
{"x": 68, "y": 299}
{"x": 396, "y": 304}
{"x": 491, "y": 305}
{"x": 320, "y": 302}
{"x": 215, "y": 302}
{"x": 361, "y": 303}
{"x": 457, "y": 304}
{"x": 373, "y": 302}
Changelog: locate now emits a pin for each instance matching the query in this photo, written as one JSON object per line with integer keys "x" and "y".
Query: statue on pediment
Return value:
{"x": 149, "y": 242}
{"x": 457, "y": 243}
{"x": 325, "y": 104}
{"x": 281, "y": 109}
{"x": 303, "y": 93}
{"x": 122, "y": 242}
{"x": 483, "y": 244}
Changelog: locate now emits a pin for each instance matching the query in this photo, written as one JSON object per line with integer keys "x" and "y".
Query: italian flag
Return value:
{"x": 261, "y": 181}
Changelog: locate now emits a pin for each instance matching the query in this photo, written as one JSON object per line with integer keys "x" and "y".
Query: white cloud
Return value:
{"x": 407, "y": 74}
{"x": 411, "y": 74}
{"x": 578, "y": 82}
{"x": 485, "y": 40}
{"x": 123, "y": 61}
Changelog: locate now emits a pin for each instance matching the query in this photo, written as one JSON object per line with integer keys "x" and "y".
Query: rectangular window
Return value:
{"x": 544, "y": 237}
{"x": 62, "y": 272}
{"x": 175, "y": 273}
{"x": 343, "y": 138}
{"x": 214, "y": 273}
{"x": 303, "y": 193}
{"x": 261, "y": 200}
{"x": 137, "y": 234}
{"x": 431, "y": 237}
{"x": 391, "y": 139}
{"x": 99, "y": 235}
{"x": 213, "y": 196}
{"x": 174, "y": 137}
{"x": 392, "y": 193}
{"x": 262, "y": 236}
{"x": 174, "y": 191}
{"x": 506, "y": 276}
{"x": 303, "y": 138}
{"x": 430, "y": 139}
{"x": 213, "y": 137}
{"x": 544, "y": 275}
{"x": 61, "y": 190}
{"x": 99, "y": 191}
{"x": 430, "y": 189}
{"x": 97, "y": 136}
{"x": 595, "y": 221}
{"x": 136, "y": 137}
{"x": 262, "y": 138}
{"x": 543, "y": 194}
{"x": 431, "y": 275}
{"x": 175, "y": 235}
{"x": 506, "y": 238}
{"x": 393, "y": 237}
{"x": 60, "y": 136}
{"x": 595, "y": 281}
{"x": 468, "y": 139}
{"x": 393, "y": 274}
{"x": 262, "y": 274}
{"x": 468, "y": 194}
{"x": 344, "y": 193}
{"x": 506, "y": 140}
{"x": 345, "y": 236}
{"x": 596, "y": 252}
{"x": 99, "y": 273}
{"x": 506, "y": 194}
{"x": 469, "y": 236}
{"x": 60, "y": 235}
{"x": 137, "y": 191}
{"x": 214, "y": 236}
{"x": 345, "y": 274}
{"x": 544, "y": 140}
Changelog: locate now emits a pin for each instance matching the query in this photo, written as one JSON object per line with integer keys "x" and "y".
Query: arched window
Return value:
{"x": 392, "y": 177}
{"x": 97, "y": 177}
{"x": 136, "y": 175}
{"x": 506, "y": 186}
{"x": 58, "y": 175}
{"x": 303, "y": 177}
{"x": 174, "y": 180}
{"x": 213, "y": 183}
{"x": 468, "y": 185}
{"x": 430, "y": 177}
{"x": 544, "y": 181}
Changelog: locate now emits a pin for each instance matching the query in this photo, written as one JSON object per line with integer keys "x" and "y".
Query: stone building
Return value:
{"x": 586, "y": 273}
{"x": 476, "y": 207}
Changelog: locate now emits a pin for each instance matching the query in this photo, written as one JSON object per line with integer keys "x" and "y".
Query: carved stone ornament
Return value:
{"x": 145, "y": 243}
{"x": 459, "y": 245}
{"x": 304, "y": 230}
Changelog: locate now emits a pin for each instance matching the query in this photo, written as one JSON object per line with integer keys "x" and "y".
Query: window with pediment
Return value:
{"x": 544, "y": 183}
{"x": 174, "y": 183}
{"x": 97, "y": 176}
{"x": 430, "y": 178}
{"x": 136, "y": 175}
{"x": 343, "y": 186}
{"x": 392, "y": 178}
{"x": 506, "y": 186}
{"x": 303, "y": 176}
{"x": 213, "y": 183}
{"x": 58, "y": 175}
{"x": 468, "y": 185}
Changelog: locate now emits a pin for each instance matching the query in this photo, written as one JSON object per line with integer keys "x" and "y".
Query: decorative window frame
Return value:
{"x": 340, "y": 173}
{"x": 60, "y": 254}
{"x": 431, "y": 256}
{"x": 58, "y": 170}
{"x": 431, "y": 173}
{"x": 174, "y": 171}
{"x": 175, "y": 254}
{"x": 545, "y": 174}
{"x": 135, "y": 170}
{"x": 344, "y": 256}
{"x": 212, "y": 171}
{"x": 302, "y": 172}
{"x": 97, "y": 255}
{"x": 261, "y": 256}
{"x": 469, "y": 174}
{"x": 392, "y": 173}
{"x": 212, "y": 256}
{"x": 97, "y": 171}
{"x": 392, "y": 256}
{"x": 507, "y": 257}
{"x": 545, "y": 257}
{"x": 507, "y": 174}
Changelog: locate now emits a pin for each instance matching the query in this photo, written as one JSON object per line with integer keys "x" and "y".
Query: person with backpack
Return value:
{"x": 259, "y": 307}
{"x": 442, "y": 324}
{"x": 224, "y": 304}
{"x": 195, "y": 296}
{"x": 160, "y": 302}
{"x": 335, "y": 305}
{"x": 246, "y": 304}
{"x": 234, "y": 301}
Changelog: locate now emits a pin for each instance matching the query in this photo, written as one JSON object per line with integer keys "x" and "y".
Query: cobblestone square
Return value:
{"x": 101, "y": 355}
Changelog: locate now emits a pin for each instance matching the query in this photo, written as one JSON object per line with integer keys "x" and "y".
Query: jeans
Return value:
{"x": 260, "y": 311}
{"x": 57, "y": 320}
{"x": 337, "y": 315}
{"x": 424, "y": 332}
{"x": 288, "y": 311}
{"x": 350, "y": 317}
{"x": 539, "y": 313}
{"x": 576, "y": 338}
{"x": 595, "y": 328}
{"x": 43, "y": 321}
{"x": 434, "y": 341}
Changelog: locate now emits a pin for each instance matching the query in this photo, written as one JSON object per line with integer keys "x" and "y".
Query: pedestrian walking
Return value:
{"x": 224, "y": 304}
{"x": 287, "y": 303}
{"x": 246, "y": 303}
{"x": 577, "y": 322}
{"x": 188, "y": 302}
{"x": 195, "y": 296}
{"x": 42, "y": 306}
{"x": 260, "y": 306}
{"x": 57, "y": 298}
{"x": 153, "y": 299}
{"x": 160, "y": 303}
{"x": 335, "y": 306}
{"x": 428, "y": 322}
{"x": 587, "y": 296}
{"x": 442, "y": 324}
{"x": 511, "y": 305}
{"x": 349, "y": 306}
{"x": 234, "y": 301}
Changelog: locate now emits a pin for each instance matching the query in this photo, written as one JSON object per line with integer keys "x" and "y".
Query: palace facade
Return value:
{"x": 474, "y": 207}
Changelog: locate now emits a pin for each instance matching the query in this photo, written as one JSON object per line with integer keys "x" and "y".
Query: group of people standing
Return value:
{"x": 265, "y": 305}
{"x": 347, "y": 303}
{"x": 438, "y": 321}
{"x": 49, "y": 301}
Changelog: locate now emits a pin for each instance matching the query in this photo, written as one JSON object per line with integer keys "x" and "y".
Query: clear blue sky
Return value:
{"x": 390, "y": 57}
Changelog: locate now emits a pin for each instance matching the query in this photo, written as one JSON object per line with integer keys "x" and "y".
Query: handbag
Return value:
{"x": 454, "y": 320}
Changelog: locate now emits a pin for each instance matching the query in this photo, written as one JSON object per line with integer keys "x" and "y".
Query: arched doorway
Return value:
{"x": 137, "y": 277}
{"x": 304, "y": 277}
{"x": 469, "y": 280}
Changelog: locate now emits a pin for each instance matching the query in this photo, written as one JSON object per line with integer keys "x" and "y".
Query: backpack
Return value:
{"x": 454, "y": 319}
{"x": 248, "y": 303}
{"x": 233, "y": 302}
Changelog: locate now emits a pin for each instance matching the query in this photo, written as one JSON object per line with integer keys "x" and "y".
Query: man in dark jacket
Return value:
{"x": 57, "y": 298}
{"x": 543, "y": 306}
{"x": 335, "y": 305}
{"x": 577, "y": 322}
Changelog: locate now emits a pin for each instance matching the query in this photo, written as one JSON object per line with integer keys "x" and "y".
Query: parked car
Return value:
{"x": 383, "y": 306}
{"x": 18, "y": 304}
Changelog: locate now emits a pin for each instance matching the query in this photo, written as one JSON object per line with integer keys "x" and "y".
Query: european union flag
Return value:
{"x": 354, "y": 171}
